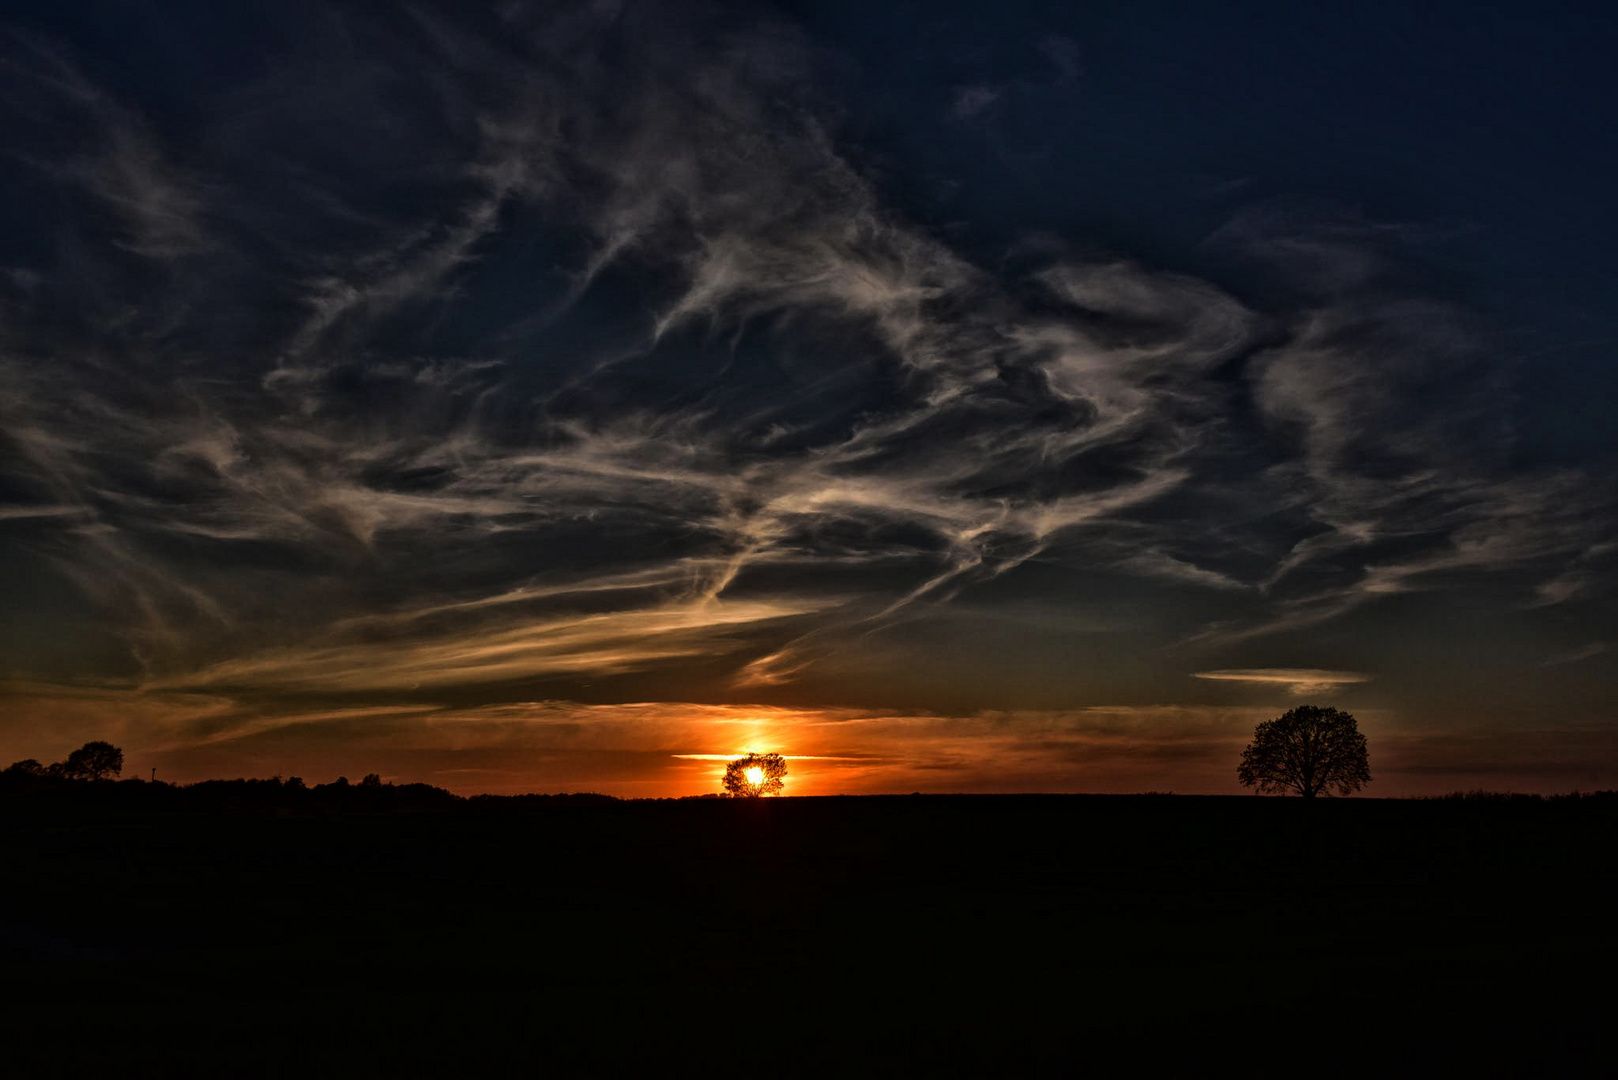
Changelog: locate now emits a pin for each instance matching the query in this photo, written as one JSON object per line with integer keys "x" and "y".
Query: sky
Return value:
{"x": 1012, "y": 397}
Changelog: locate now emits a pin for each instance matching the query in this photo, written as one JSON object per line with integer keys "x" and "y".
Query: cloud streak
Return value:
{"x": 1298, "y": 681}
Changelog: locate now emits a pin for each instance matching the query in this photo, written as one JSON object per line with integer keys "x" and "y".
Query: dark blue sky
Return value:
{"x": 1486, "y": 133}
{"x": 1030, "y": 396}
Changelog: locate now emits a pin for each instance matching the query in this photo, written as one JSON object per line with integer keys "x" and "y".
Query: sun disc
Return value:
{"x": 755, "y": 775}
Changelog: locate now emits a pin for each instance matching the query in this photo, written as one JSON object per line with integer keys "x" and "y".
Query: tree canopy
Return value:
{"x": 94, "y": 761}
{"x": 1309, "y": 750}
{"x": 755, "y": 775}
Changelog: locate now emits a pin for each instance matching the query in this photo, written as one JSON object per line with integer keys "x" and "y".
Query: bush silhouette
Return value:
{"x": 755, "y": 775}
{"x": 1309, "y": 750}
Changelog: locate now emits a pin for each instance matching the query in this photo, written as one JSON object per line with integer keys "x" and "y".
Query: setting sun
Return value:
{"x": 755, "y": 775}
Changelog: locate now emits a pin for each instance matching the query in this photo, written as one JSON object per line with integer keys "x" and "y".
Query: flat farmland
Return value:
{"x": 904, "y": 934}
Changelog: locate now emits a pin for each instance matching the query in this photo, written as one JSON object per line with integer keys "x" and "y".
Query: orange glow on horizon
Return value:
{"x": 640, "y": 749}
{"x": 679, "y": 749}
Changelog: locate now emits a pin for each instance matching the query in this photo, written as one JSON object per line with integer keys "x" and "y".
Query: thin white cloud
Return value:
{"x": 118, "y": 158}
{"x": 1574, "y": 656}
{"x": 1298, "y": 681}
{"x": 19, "y": 513}
{"x": 972, "y": 101}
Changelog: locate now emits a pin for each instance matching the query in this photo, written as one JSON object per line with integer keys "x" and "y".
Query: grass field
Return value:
{"x": 839, "y": 936}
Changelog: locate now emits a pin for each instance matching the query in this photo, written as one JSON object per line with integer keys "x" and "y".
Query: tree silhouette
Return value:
{"x": 754, "y": 775}
{"x": 1308, "y": 750}
{"x": 92, "y": 761}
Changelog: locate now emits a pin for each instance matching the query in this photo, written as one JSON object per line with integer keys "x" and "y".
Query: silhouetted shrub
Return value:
{"x": 1479, "y": 795}
{"x": 28, "y": 775}
{"x": 586, "y": 798}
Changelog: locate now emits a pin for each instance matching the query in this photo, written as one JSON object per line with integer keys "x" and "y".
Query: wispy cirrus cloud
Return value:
{"x": 584, "y": 645}
{"x": 77, "y": 133}
{"x": 1574, "y": 656}
{"x": 1298, "y": 681}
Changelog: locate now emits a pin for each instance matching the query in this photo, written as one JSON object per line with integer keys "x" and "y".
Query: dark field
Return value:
{"x": 910, "y": 935}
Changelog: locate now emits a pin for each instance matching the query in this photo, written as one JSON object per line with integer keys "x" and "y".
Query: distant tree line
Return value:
{"x": 89, "y": 776}
{"x": 1603, "y": 796}
{"x": 29, "y": 778}
{"x": 91, "y": 762}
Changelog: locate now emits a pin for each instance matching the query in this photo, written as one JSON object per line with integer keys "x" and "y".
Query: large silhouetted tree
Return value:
{"x": 1309, "y": 750}
{"x": 93, "y": 761}
{"x": 754, "y": 775}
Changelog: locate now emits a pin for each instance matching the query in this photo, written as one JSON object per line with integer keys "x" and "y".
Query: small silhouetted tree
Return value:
{"x": 754, "y": 775}
{"x": 371, "y": 780}
{"x": 93, "y": 761}
{"x": 1309, "y": 750}
{"x": 26, "y": 767}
